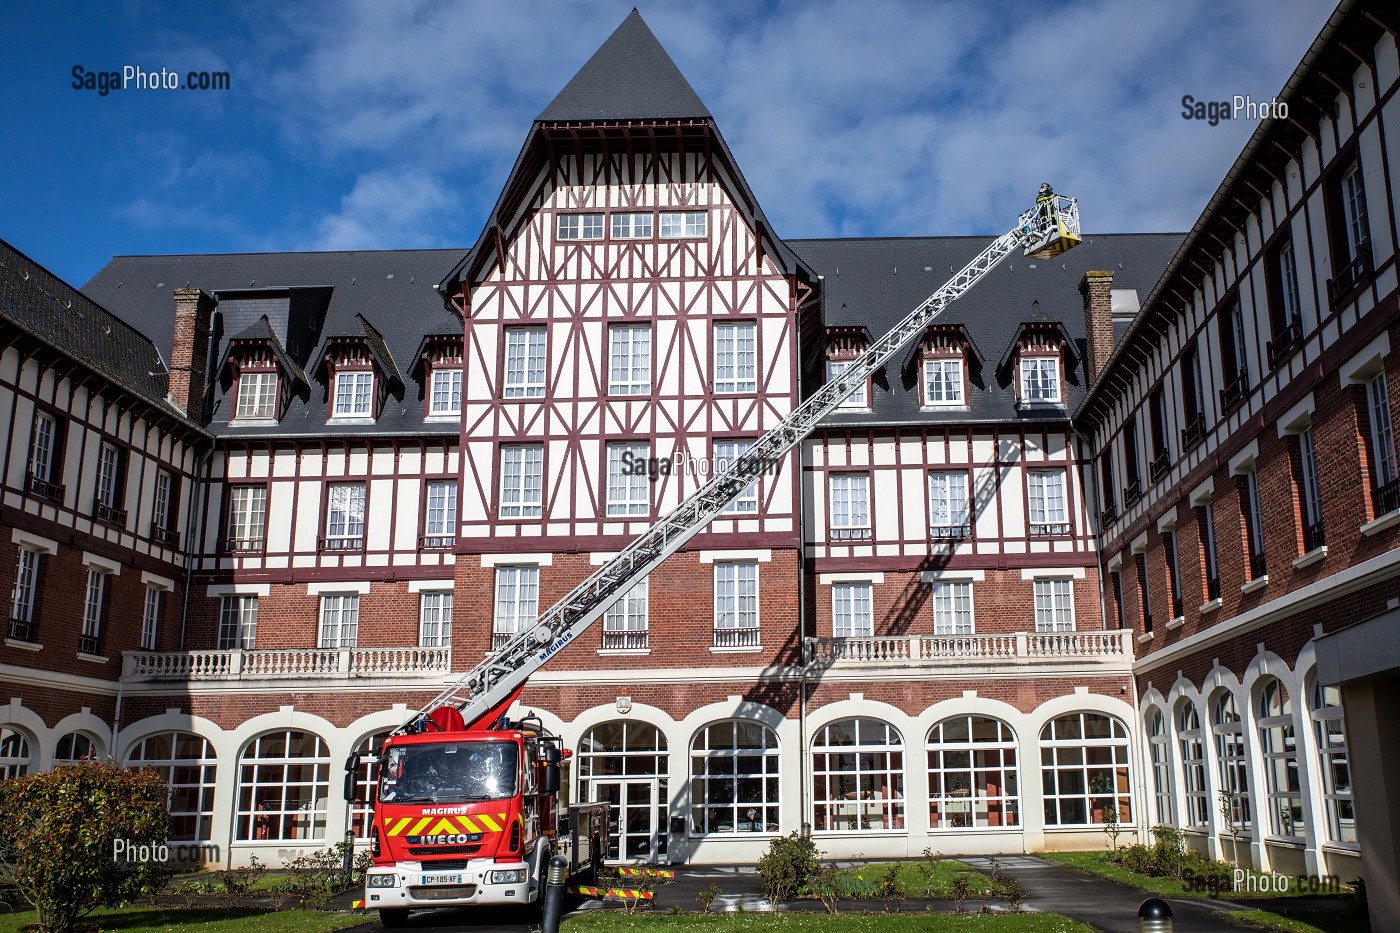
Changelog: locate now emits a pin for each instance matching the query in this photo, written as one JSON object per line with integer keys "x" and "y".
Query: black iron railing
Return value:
{"x": 1387, "y": 497}
{"x": 21, "y": 629}
{"x": 625, "y": 641}
{"x": 43, "y": 489}
{"x": 1351, "y": 277}
{"x": 1194, "y": 432}
{"x": 1286, "y": 342}
{"x": 1313, "y": 537}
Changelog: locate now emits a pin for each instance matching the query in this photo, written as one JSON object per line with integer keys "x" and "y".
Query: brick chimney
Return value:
{"x": 189, "y": 354}
{"x": 1097, "y": 288}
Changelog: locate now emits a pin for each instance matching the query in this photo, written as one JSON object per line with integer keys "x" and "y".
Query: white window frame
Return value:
{"x": 625, "y": 624}
{"x": 726, "y": 452}
{"x": 1255, "y": 520}
{"x": 1232, "y": 756}
{"x": 1048, "y": 502}
{"x": 972, "y": 773}
{"x": 42, "y": 445}
{"x": 949, "y": 513}
{"x": 257, "y": 396}
{"x": 683, "y": 224}
{"x": 1353, "y": 190}
{"x": 1068, "y": 756}
{"x": 1382, "y": 436}
{"x": 108, "y": 475}
{"x": 354, "y": 394}
{"x": 190, "y": 777}
{"x": 1307, "y": 461}
{"x": 1191, "y": 740}
{"x": 93, "y": 598}
{"x": 943, "y": 381}
{"x": 852, "y": 615}
{"x": 440, "y": 514}
{"x": 952, "y": 607}
{"x": 517, "y": 604}
{"x": 736, "y": 357}
{"x": 160, "y": 506}
{"x": 629, "y": 359}
{"x": 247, "y": 517}
{"x": 346, "y": 515}
{"x": 857, "y": 399}
{"x": 579, "y": 226}
{"x": 1054, "y": 604}
{"x": 1040, "y": 378}
{"x": 858, "y": 778}
{"x": 26, "y": 588}
{"x": 435, "y": 618}
{"x": 724, "y": 757}
{"x": 850, "y": 506}
{"x": 632, "y": 226}
{"x": 150, "y": 618}
{"x": 445, "y": 393}
{"x": 1334, "y": 761}
{"x": 1288, "y": 279}
{"x": 629, "y": 492}
{"x": 1159, "y": 757}
{"x": 298, "y": 810}
{"x": 1278, "y": 750}
{"x": 526, "y": 362}
{"x": 238, "y": 621}
{"x": 736, "y": 603}
{"x": 340, "y": 620}
{"x": 522, "y": 481}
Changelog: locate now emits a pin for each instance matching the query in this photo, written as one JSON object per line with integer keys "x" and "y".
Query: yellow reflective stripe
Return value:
{"x": 418, "y": 827}
{"x": 399, "y": 826}
{"x": 444, "y": 827}
{"x": 490, "y": 823}
{"x": 467, "y": 824}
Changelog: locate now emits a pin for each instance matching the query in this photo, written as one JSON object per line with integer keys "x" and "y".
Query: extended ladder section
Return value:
{"x": 1040, "y": 231}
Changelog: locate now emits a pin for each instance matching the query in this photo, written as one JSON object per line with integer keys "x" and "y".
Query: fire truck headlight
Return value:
{"x": 509, "y": 876}
{"x": 383, "y": 881}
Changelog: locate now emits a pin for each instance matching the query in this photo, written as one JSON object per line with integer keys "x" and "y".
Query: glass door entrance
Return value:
{"x": 636, "y": 818}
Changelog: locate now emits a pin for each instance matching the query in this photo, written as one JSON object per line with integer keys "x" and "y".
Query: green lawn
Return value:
{"x": 916, "y": 881}
{"x": 1099, "y": 864}
{"x": 201, "y": 920}
{"x": 1298, "y": 921}
{"x": 608, "y": 921}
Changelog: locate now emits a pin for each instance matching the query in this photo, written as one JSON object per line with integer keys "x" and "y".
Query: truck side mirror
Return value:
{"x": 352, "y": 767}
{"x": 550, "y": 780}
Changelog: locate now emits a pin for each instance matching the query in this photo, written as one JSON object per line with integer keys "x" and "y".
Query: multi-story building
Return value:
{"x": 919, "y": 629}
{"x": 1246, "y": 476}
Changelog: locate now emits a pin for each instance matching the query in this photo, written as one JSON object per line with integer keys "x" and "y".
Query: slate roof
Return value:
{"x": 393, "y": 290}
{"x": 261, "y": 331}
{"x": 875, "y": 282}
{"x": 630, "y": 77}
{"x": 44, "y": 306}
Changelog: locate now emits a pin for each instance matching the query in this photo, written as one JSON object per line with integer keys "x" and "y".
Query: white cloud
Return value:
{"x": 388, "y": 211}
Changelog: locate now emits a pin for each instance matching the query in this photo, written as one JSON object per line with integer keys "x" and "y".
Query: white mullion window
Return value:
{"x": 629, "y": 359}
{"x": 850, "y": 506}
{"x": 345, "y": 516}
{"x": 580, "y": 226}
{"x": 948, "y": 511}
{"x": 1230, "y": 753}
{"x": 1191, "y": 741}
{"x": 689, "y": 224}
{"x": 943, "y": 381}
{"x": 446, "y": 394}
{"x": 525, "y": 362}
{"x": 247, "y": 518}
{"x": 1159, "y": 753}
{"x": 856, "y": 399}
{"x": 93, "y": 600}
{"x": 26, "y": 586}
{"x": 257, "y": 395}
{"x": 41, "y": 448}
{"x": 1354, "y": 211}
{"x": 107, "y": 476}
{"x": 628, "y": 490}
{"x": 1288, "y": 278}
{"x": 1054, "y": 605}
{"x": 1329, "y": 726}
{"x": 1040, "y": 379}
{"x": 160, "y": 509}
{"x": 1047, "y": 497}
{"x": 736, "y": 357}
{"x": 736, "y": 604}
{"x": 1278, "y": 746}
{"x": 625, "y": 622}
{"x": 1382, "y": 437}
{"x": 1307, "y": 457}
{"x": 631, "y": 226}
{"x": 952, "y": 607}
{"x": 440, "y": 520}
{"x": 517, "y": 602}
{"x": 238, "y": 622}
{"x": 354, "y": 394}
{"x": 522, "y": 478}
{"x": 851, "y": 615}
{"x": 435, "y": 618}
{"x": 150, "y": 619}
{"x": 726, "y": 452}
{"x": 340, "y": 620}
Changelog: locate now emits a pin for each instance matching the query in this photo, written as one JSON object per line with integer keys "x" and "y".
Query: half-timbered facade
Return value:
{"x": 373, "y": 466}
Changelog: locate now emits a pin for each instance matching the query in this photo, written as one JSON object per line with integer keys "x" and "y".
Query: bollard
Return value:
{"x": 347, "y": 858}
{"x": 1155, "y": 916}
{"x": 554, "y": 893}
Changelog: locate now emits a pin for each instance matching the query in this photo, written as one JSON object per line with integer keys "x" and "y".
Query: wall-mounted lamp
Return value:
{"x": 624, "y": 705}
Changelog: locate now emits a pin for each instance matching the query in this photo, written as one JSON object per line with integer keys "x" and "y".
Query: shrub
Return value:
{"x": 1012, "y": 888}
{"x": 961, "y": 888}
{"x": 825, "y": 885}
{"x": 928, "y": 870}
{"x": 1138, "y": 858}
{"x": 704, "y": 898}
{"x": 887, "y": 887}
{"x": 62, "y": 832}
{"x": 788, "y": 865}
{"x": 1203, "y": 874}
{"x": 1169, "y": 850}
{"x": 316, "y": 878}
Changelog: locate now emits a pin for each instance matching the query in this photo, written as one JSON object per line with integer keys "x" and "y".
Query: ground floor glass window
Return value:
{"x": 734, "y": 778}
{"x": 858, "y": 776}
{"x": 188, "y": 765}
{"x": 1084, "y": 769}
{"x": 972, "y": 774}
{"x": 283, "y": 787}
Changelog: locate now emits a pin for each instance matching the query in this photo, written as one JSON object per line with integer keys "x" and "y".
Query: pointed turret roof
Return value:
{"x": 630, "y": 77}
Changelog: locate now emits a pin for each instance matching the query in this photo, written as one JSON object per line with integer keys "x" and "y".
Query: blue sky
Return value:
{"x": 370, "y": 124}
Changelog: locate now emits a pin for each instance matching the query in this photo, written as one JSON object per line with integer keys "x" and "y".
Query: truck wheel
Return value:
{"x": 393, "y": 916}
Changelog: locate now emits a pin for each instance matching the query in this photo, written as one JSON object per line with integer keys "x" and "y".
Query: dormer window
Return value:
{"x": 943, "y": 381}
{"x": 445, "y": 396}
{"x": 354, "y": 394}
{"x": 1040, "y": 379}
{"x": 257, "y": 395}
{"x": 843, "y": 346}
{"x": 860, "y": 397}
{"x": 438, "y": 366}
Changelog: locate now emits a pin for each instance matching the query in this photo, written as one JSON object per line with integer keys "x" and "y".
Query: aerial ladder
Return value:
{"x": 486, "y": 692}
{"x": 467, "y": 807}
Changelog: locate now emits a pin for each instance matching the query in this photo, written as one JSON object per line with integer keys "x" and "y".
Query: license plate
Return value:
{"x": 442, "y": 879}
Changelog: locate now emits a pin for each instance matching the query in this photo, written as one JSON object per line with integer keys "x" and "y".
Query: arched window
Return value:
{"x": 1230, "y": 754}
{"x": 624, "y": 763}
{"x": 366, "y": 777}
{"x": 858, "y": 776}
{"x": 1335, "y": 763}
{"x": 734, "y": 778}
{"x": 1159, "y": 746}
{"x": 14, "y": 753}
{"x": 972, "y": 774}
{"x": 1278, "y": 743}
{"x": 283, "y": 786}
{"x": 187, "y": 764}
{"x": 1084, "y": 769}
{"x": 1192, "y": 742}
{"x": 75, "y": 747}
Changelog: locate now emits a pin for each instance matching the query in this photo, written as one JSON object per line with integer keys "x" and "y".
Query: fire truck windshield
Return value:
{"x": 447, "y": 773}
